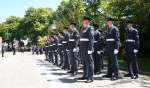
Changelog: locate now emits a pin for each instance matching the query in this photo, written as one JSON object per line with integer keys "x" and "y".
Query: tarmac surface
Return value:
{"x": 25, "y": 70}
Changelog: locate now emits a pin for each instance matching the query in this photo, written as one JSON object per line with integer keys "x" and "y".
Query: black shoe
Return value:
{"x": 74, "y": 73}
{"x": 59, "y": 65}
{"x": 65, "y": 68}
{"x": 132, "y": 77}
{"x": 107, "y": 76}
{"x": 136, "y": 77}
{"x": 127, "y": 75}
{"x": 82, "y": 78}
{"x": 70, "y": 72}
{"x": 97, "y": 73}
{"x": 114, "y": 78}
{"x": 88, "y": 81}
{"x": 68, "y": 68}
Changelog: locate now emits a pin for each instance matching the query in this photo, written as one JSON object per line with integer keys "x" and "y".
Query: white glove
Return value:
{"x": 102, "y": 51}
{"x": 74, "y": 50}
{"x": 116, "y": 51}
{"x": 67, "y": 50}
{"x": 89, "y": 52}
{"x": 98, "y": 52}
{"x": 135, "y": 51}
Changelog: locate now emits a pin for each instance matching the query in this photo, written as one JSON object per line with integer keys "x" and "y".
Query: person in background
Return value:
{"x": 73, "y": 48}
{"x": 55, "y": 45}
{"x": 14, "y": 49}
{"x": 131, "y": 50}
{"x": 112, "y": 49}
{"x": 60, "y": 49}
{"x": 86, "y": 50}
{"x": 65, "y": 49}
{"x": 98, "y": 47}
{"x": 3, "y": 49}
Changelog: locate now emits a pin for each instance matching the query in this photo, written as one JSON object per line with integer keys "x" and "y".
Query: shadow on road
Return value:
{"x": 145, "y": 84}
{"x": 60, "y": 74}
{"x": 66, "y": 78}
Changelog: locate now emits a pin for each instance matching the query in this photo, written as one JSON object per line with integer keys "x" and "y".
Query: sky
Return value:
{"x": 18, "y": 7}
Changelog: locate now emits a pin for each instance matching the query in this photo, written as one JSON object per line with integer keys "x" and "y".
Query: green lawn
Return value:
{"x": 144, "y": 64}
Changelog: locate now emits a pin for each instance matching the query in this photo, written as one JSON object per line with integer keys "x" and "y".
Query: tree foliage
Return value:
{"x": 69, "y": 11}
{"x": 37, "y": 21}
{"x": 32, "y": 25}
{"x": 8, "y": 29}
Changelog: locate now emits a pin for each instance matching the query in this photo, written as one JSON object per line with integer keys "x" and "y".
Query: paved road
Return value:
{"x": 31, "y": 71}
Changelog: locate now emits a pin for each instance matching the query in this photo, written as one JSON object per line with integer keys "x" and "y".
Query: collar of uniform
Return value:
{"x": 111, "y": 26}
{"x": 74, "y": 29}
{"x": 86, "y": 28}
{"x": 66, "y": 33}
{"x": 130, "y": 29}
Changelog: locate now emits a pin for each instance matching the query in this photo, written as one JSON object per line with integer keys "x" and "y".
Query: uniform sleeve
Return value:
{"x": 67, "y": 39}
{"x": 104, "y": 40}
{"x": 100, "y": 41}
{"x": 91, "y": 40}
{"x": 77, "y": 37}
{"x": 99, "y": 37}
{"x": 136, "y": 38}
{"x": 117, "y": 38}
{"x": 56, "y": 42}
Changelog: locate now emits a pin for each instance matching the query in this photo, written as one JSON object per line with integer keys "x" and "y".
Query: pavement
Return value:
{"x": 25, "y": 70}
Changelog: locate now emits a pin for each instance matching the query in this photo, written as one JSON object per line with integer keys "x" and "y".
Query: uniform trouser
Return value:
{"x": 97, "y": 62}
{"x": 50, "y": 57}
{"x": 61, "y": 58}
{"x": 66, "y": 60}
{"x": 2, "y": 53}
{"x": 112, "y": 64}
{"x": 14, "y": 52}
{"x": 102, "y": 64}
{"x": 46, "y": 55}
{"x": 88, "y": 65}
{"x": 32, "y": 52}
{"x": 56, "y": 58}
{"x": 132, "y": 63}
{"x": 74, "y": 61}
{"x": 80, "y": 59}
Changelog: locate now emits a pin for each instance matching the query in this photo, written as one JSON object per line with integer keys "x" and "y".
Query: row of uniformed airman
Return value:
{"x": 69, "y": 49}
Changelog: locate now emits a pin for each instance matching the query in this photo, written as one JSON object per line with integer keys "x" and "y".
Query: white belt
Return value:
{"x": 54, "y": 44}
{"x": 95, "y": 41}
{"x": 84, "y": 39}
{"x": 59, "y": 44}
{"x": 64, "y": 42}
{"x": 46, "y": 46}
{"x": 71, "y": 40}
{"x": 51, "y": 45}
{"x": 109, "y": 40}
{"x": 130, "y": 40}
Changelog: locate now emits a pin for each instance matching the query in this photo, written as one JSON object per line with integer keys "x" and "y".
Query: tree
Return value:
{"x": 36, "y": 22}
{"x": 9, "y": 28}
{"x": 69, "y": 11}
